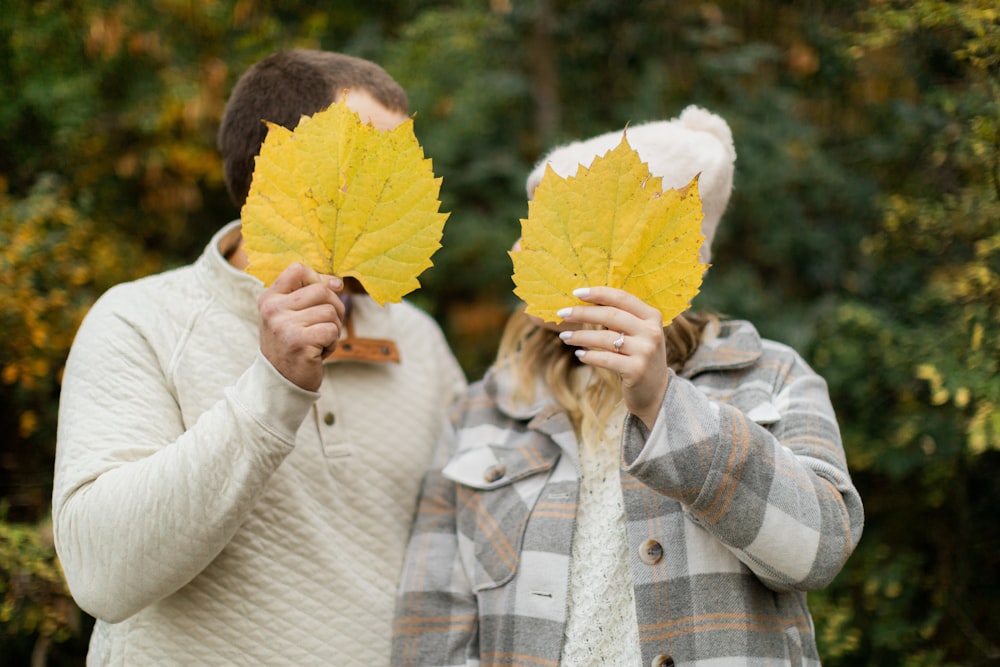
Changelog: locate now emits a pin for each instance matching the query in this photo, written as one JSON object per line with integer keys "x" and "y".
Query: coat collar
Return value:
{"x": 725, "y": 345}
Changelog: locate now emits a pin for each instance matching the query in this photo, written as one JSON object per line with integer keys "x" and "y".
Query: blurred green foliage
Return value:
{"x": 913, "y": 357}
{"x": 33, "y": 599}
{"x": 864, "y": 230}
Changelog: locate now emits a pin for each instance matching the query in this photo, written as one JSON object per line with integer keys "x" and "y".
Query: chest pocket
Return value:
{"x": 497, "y": 487}
{"x": 758, "y": 405}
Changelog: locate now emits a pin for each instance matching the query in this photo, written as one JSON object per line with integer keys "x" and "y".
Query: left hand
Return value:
{"x": 640, "y": 357}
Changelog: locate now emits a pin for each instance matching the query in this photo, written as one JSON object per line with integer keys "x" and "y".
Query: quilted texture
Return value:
{"x": 209, "y": 512}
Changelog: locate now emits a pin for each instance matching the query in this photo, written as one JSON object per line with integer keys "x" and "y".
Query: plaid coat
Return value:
{"x": 737, "y": 502}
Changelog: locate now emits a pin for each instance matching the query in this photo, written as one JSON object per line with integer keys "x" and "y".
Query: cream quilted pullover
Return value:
{"x": 209, "y": 512}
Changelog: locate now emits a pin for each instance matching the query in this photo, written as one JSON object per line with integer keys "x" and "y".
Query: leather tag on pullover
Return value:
{"x": 377, "y": 350}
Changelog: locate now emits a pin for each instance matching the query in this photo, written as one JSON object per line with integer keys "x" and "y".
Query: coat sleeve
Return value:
{"x": 436, "y": 613}
{"x": 141, "y": 502}
{"x": 779, "y": 497}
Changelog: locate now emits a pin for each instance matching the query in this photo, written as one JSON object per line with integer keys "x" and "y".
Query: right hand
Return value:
{"x": 301, "y": 317}
{"x": 640, "y": 359}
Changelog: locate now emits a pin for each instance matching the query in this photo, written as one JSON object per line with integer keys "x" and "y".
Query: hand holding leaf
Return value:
{"x": 345, "y": 199}
{"x": 610, "y": 225}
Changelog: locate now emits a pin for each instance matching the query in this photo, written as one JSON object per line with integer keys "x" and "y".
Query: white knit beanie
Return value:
{"x": 676, "y": 150}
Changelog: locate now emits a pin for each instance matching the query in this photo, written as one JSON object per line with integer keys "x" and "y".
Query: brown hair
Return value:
{"x": 281, "y": 89}
{"x": 531, "y": 352}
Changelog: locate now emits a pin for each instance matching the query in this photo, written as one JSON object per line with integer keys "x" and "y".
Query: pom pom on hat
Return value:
{"x": 676, "y": 150}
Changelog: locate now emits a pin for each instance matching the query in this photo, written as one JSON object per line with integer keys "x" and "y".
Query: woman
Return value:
{"x": 617, "y": 492}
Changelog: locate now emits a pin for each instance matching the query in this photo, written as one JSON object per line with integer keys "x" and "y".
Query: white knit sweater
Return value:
{"x": 209, "y": 512}
{"x": 601, "y": 625}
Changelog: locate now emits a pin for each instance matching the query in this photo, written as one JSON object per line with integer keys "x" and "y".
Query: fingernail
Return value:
{"x": 564, "y": 312}
{"x": 579, "y": 353}
{"x": 565, "y": 335}
{"x": 336, "y": 284}
{"x": 581, "y": 292}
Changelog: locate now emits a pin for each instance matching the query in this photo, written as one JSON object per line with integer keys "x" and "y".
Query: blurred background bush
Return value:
{"x": 864, "y": 230}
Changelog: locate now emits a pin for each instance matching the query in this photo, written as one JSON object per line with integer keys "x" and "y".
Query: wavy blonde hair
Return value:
{"x": 532, "y": 352}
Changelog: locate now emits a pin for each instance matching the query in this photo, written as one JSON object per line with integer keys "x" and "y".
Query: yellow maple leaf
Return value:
{"x": 343, "y": 198}
{"x": 613, "y": 225}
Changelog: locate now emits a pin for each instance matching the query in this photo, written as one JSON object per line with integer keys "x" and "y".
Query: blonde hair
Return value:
{"x": 533, "y": 353}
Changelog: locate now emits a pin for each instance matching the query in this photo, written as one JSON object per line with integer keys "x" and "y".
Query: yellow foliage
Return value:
{"x": 29, "y": 423}
{"x": 614, "y": 225}
{"x": 53, "y": 264}
{"x": 984, "y": 429}
{"x": 344, "y": 198}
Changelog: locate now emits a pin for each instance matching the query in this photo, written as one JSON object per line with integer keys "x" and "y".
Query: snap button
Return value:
{"x": 328, "y": 419}
{"x": 662, "y": 661}
{"x": 493, "y": 473}
{"x": 651, "y": 553}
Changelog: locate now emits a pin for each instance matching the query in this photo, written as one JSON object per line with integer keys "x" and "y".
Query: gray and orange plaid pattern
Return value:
{"x": 737, "y": 502}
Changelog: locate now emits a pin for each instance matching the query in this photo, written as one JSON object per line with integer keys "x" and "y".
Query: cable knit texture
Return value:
{"x": 601, "y": 626}
{"x": 209, "y": 512}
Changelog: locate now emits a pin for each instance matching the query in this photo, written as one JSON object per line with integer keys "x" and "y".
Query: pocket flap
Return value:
{"x": 497, "y": 465}
{"x": 764, "y": 413}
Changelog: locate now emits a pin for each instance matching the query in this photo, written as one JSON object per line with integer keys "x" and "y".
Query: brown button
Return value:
{"x": 328, "y": 419}
{"x": 493, "y": 473}
{"x": 651, "y": 553}
{"x": 662, "y": 661}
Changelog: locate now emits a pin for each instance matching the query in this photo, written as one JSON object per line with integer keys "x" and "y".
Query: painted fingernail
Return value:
{"x": 581, "y": 292}
{"x": 565, "y": 335}
{"x": 579, "y": 353}
{"x": 564, "y": 312}
{"x": 336, "y": 284}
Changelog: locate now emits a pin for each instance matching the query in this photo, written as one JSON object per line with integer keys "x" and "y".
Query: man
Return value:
{"x": 225, "y": 492}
